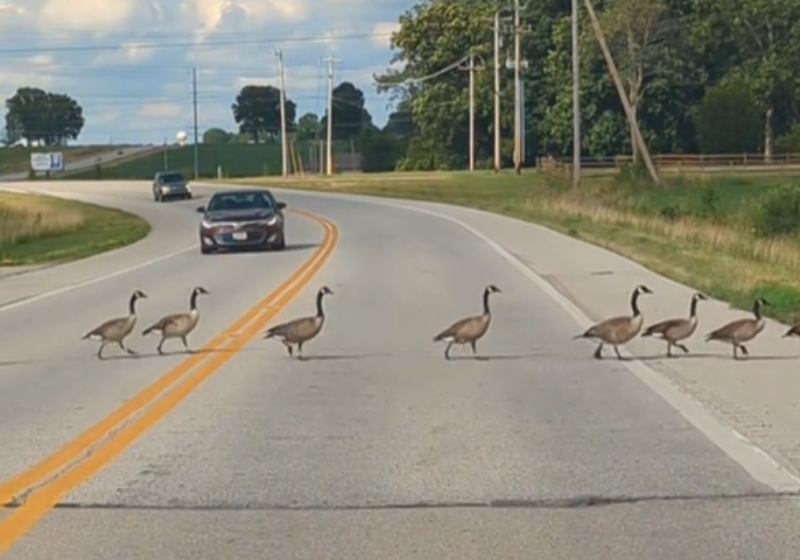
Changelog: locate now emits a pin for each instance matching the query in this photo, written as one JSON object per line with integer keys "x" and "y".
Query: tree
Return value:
{"x": 350, "y": 116}
{"x": 39, "y": 116}
{"x": 728, "y": 122}
{"x": 308, "y": 127}
{"x": 217, "y": 136}
{"x": 761, "y": 38}
{"x": 401, "y": 121}
{"x": 257, "y": 112}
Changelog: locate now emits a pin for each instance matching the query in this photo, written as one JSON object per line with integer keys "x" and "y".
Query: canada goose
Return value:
{"x": 178, "y": 325}
{"x": 741, "y": 330}
{"x": 793, "y": 331}
{"x": 469, "y": 329}
{"x": 674, "y": 330}
{"x": 618, "y": 330}
{"x": 117, "y": 329}
{"x": 300, "y": 331}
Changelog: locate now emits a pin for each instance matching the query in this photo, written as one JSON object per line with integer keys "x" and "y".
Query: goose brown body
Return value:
{"x": 301, "y": 330}
{"x": 673, "y": 331}
{"x": 739, "y": 331}
{"x": 116, "y": 330}
{"x": 469, "y": 329}
{"x": 617, "y": 331}
{"x": 178, "y": 325}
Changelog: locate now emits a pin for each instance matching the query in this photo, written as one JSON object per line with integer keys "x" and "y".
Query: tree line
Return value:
{"x": 41, "y": 117}
{"x": 702, "y": 76}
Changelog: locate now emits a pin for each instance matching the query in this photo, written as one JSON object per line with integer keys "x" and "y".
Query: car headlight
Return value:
{"x": 206, "y": 224}
{"x": 272, "y": 220}
{"x": 164, "y": 189}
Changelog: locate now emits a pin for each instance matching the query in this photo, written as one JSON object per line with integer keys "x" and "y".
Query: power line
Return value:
{"x": 194, "y": 44}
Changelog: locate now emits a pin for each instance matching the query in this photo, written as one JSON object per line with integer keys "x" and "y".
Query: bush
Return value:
{"x": 728, "y": 122}
{"x": 778, "y": 213}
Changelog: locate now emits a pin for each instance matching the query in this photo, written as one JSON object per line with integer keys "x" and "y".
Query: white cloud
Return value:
{"x": 88, "y": 15}
{"x": 161, "y": 110}
{"x": 102, "y": 53}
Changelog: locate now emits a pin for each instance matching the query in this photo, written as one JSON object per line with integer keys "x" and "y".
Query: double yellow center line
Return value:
{"x": 38, "y": 489}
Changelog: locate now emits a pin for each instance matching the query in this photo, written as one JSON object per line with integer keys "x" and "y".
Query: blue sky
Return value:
{"x": 129, "y": 62}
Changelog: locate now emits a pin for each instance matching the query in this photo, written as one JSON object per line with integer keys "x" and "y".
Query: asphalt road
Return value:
{"x": 374, "y": 447}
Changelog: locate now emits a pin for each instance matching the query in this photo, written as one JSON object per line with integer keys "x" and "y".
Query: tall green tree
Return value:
{"x": 759, "y": 41}
{"x": 216, "y": 136}
{"x": 257, "y": 112}
{"x": 308, "y": 127}
{"x": 350, "y": 116}
{"x": 46, "y": 118}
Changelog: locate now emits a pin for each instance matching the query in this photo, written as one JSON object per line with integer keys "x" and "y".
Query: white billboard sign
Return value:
{"x": 47, "y": 162}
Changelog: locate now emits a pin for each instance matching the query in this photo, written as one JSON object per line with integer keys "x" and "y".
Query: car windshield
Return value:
{"x": 240, "y": 201}
{"x": 172, "y": 178}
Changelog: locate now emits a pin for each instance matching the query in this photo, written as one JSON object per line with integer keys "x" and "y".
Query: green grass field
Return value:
{"x": 18, "y": 158}
{"x": 702, "y": 231}
{"x": 37, "y": 229}
{"x": 236, "y": 160}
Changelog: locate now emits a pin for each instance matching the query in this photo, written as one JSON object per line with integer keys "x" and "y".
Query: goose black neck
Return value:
{"x": 635, "y": 303}
{"x": 132, "y": 304}
{"x": 193, "y": 301}
{"x": 320, "y": 312}
{"x": 693, "y": 308}
{"x": 486, "y": 310}
{"x": 757, "y": 309}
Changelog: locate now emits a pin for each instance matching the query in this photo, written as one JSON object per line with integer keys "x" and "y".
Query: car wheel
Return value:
{"x": 279, "y": 245}
{"x": 206, "y": 250}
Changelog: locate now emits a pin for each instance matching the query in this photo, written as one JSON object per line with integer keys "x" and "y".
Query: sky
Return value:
{"x": 129, "y": 63}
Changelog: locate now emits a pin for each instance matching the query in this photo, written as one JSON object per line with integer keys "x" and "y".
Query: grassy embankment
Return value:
{"x": 18, "y": 158}
{"x": 236, "y": 160}
{"x": 731, "y": 236}
{"x": 37, "y": 229}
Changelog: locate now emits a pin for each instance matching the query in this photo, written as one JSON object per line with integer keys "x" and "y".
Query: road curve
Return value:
{"x": 375, "y": 447}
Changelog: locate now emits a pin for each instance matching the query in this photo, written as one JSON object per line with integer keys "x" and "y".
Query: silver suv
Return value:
{"x": 170, "y": 184}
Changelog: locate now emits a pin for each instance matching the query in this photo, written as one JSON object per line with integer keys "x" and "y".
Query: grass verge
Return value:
{"x": 37, "y": 229}
{"x": 702, "y": 231}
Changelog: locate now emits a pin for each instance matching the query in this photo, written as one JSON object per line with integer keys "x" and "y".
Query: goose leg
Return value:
{"x": 735, "y": 351}
{"x": 289, "y": 349}
{"x": 743, "y": 348}
{"x": 616, "y": 351}
{"x": 186, "y": 344}
{"x": 447, "y": 350}
{"x": 100, "y": 350}
{"x": 126, "y": 349}
{"x": 683, "y": 347}
{"x": 299, "y": 350}
{"x": 474, "y": 345}
{"x": 598, "y": 354}
{"x": 160, "y": 346}
{"x": 669, "y": 349}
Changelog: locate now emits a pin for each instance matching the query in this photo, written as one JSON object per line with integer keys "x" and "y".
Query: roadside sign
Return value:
{"x": 47, "y": 161}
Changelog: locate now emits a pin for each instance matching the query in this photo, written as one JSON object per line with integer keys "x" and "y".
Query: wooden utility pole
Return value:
{"x": 623, "y": 96}
{"x": 330, "y": 62}
{"x": 472, "y": 68}
{"x": 284, "y": 139}
{"x": 576, "y": 96}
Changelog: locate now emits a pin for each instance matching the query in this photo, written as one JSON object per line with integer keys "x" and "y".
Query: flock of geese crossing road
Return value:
{"x": 614, "y": 332}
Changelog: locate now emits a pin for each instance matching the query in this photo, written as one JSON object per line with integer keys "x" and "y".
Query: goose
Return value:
{"x": 469, "y": 329}
{"x": 117, "y": 329}
{"x": 618, "y": 330}
{"x": 301, "y": 330}
{"x": 673, "y": 331}
{"x": 178, "y": 325}
{"x": 741, "y": 330}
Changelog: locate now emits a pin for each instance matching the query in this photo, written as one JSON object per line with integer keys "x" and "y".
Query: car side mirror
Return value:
{"x": 280, "y": 205}
{"x": 201, "y": 209}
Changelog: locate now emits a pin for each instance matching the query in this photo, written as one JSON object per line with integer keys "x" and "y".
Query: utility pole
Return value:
{"x": 284, "y": 139}
{"x": 576, "y": 98}
{"x": 330, "y": 62}
{"x": 497, "y": 155}
{"x": 471, "y": 69}
{"x": 196, "y": 132}
{"x": 518, "y": 65}
{"x": 623, "y": 95}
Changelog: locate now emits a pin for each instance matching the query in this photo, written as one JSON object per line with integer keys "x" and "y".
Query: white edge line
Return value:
{"x": 95, "y": 280}
{"x": 754, "y": 460}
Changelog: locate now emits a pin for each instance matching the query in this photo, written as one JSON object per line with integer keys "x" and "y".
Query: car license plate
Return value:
{"x": 240, "y": 235}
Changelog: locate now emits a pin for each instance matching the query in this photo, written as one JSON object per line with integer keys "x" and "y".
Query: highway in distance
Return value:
{"x": 373, "y": 447}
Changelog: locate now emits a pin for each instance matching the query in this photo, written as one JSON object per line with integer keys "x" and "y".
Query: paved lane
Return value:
{"x": 377, "y": 448}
